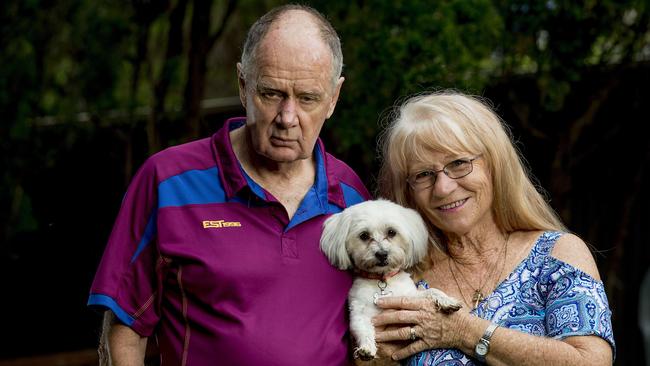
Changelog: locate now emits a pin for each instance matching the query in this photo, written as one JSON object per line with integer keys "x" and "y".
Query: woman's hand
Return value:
{"x": 386, "y": 349}
{"x": 431, "y": 328}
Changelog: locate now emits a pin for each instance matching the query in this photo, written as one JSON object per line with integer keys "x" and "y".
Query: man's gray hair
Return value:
{"x": 259, "y": 29}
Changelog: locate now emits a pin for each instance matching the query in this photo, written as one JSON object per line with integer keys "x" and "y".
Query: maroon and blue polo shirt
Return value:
{"x": 206, "y": 260}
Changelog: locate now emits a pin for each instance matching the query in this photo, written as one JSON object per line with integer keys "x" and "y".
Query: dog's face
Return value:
{"x": 375, "y": 236}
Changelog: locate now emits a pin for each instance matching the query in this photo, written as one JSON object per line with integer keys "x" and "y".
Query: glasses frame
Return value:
{"x": 434, "y": 176}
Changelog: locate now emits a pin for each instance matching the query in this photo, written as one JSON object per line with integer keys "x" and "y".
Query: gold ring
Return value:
{"x": 413, "y": 336}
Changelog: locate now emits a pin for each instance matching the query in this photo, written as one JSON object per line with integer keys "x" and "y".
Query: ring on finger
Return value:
{"x": 412, "y": 333}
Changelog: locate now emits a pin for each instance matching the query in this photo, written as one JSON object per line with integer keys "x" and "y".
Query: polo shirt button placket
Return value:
{"x": 289, "y": 248}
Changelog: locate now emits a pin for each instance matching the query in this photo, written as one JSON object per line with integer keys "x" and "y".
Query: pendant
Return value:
{"x": 382, "y": 287}
{"x": 478, "y": 297}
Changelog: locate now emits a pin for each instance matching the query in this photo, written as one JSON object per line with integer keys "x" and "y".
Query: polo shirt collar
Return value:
{"x": 230, "y": 171}
{"x": 326, "y": 187}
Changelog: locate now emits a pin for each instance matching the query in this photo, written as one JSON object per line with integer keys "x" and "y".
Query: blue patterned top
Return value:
{"x": 542, "y": 296}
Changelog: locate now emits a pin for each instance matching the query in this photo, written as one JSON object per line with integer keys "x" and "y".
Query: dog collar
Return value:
{"x": 376, "y": 276}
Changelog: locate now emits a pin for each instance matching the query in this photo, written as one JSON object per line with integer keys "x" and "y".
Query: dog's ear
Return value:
{"x": 332, "y": 242}
{"x": 417, "y": 234}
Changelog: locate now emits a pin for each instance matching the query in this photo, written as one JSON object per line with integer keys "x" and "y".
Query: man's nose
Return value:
{"x": 287, "y": 115}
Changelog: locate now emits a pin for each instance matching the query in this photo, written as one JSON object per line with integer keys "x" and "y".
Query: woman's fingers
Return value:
{"x": 409, "y": 338}
{"x": 413, "y": 348}
{"x": 396, "y": 317}
{"x": 401, "y": 302}
{"x": 397, "y": 334}
{"x": 417, "y": 322}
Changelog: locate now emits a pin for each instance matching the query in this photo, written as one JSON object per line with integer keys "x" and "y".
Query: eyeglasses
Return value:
{"x": 456, "y": 169}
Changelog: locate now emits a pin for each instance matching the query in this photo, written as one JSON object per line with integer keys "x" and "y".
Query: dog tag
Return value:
{"x": 382, "y": 288}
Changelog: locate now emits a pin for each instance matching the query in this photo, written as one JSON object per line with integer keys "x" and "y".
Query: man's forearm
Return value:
{"x": 120, "y": 345}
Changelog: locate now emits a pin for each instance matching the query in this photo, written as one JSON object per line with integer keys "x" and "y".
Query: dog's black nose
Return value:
{"x": 381, "y": 256}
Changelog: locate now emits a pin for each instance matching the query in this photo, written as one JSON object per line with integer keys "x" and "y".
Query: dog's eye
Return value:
{"x": 391, "y": 233}
{"x": 364, "y": 236}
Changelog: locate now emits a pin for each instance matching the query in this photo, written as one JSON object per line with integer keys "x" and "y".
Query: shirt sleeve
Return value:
{"x": 128, "y": 277}
{"x": 576, "y": 304}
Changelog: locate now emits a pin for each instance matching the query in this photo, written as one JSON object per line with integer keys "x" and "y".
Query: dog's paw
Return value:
{"x": 444, "y": 302}
{"x": 448, "y": 304}
{"x": 364, "y": 354}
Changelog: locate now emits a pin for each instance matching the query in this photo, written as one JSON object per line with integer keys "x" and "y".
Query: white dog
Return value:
{"x": 379, "y": 240}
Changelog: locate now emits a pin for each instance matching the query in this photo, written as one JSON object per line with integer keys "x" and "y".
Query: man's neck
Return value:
{"x": 263, "y": 169}
{"x": 287, "y": 182}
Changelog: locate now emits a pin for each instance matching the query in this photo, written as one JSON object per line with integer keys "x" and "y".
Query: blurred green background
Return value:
{"x": 90, "y": 88}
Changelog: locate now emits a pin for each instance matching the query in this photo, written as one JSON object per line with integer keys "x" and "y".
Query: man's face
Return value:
{"x": 290, "y": 95}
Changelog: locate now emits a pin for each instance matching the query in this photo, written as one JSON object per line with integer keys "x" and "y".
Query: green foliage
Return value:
{"x": 396, "y": 48}
{"x": 58, "y": 59}
{"x": 558, "y": 40}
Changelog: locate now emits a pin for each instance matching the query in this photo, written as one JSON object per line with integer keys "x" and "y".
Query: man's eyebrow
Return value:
{"x": 311, "y": 93}
{"x": 264, "y": 86}
{"x": 267, "y": 89}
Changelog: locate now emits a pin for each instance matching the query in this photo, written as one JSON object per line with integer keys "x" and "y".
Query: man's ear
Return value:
{"x": 335, "y": 96}
{"x": 241, "y": 79}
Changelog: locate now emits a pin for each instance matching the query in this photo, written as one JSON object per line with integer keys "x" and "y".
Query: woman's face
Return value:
{"x": 455, "y": 206}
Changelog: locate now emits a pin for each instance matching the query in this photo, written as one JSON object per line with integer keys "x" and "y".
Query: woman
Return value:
{"x": 531, "y": 291}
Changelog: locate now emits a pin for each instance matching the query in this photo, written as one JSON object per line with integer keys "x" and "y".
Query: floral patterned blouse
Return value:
{"x": 542, "y": 296}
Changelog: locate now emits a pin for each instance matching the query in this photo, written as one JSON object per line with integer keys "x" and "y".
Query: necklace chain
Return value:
{"x": 478, "y": 295}
{"x": 457, "y": 284}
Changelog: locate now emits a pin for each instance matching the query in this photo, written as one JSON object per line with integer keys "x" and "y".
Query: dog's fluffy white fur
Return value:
{"x": 379, "y": 239}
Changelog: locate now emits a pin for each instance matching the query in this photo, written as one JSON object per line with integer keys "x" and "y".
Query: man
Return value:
{"x": 215, "y": 251}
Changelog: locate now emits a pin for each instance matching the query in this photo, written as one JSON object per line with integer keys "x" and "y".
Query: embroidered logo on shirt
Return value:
{"x": 209, "y": 224}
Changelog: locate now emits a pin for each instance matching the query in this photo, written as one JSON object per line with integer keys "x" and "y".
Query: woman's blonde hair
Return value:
{"x": 455, "y": 123}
